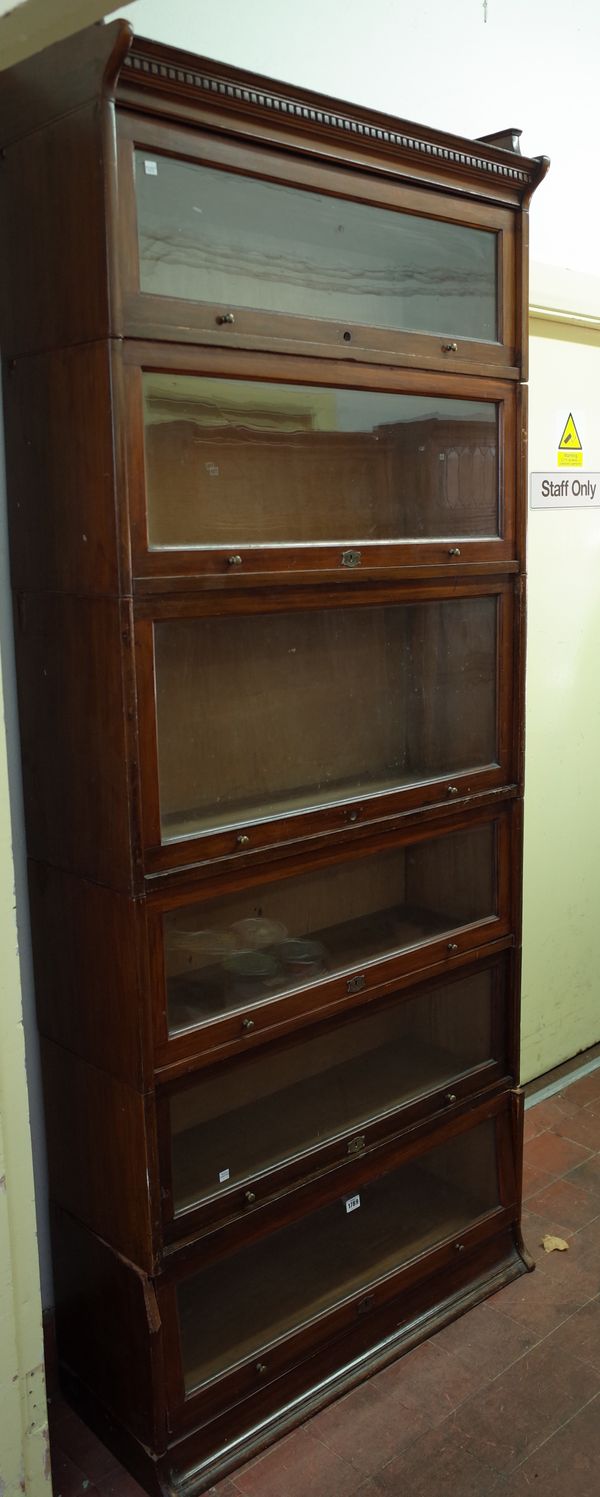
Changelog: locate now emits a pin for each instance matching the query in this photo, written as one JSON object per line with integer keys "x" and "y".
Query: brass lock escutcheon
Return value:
{"x": 357, "y": 1144}
{"x": 356, "y": 984}
{"x": 351, "y": 558}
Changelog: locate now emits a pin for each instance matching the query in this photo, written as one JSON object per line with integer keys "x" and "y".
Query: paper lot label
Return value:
{"x": 565, "y": 491}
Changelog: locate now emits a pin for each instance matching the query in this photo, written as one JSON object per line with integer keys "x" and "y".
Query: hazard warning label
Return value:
{"x": 570, "y": 451}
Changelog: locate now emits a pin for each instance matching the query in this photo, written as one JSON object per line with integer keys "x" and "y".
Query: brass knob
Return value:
{"x": 227, "y": 318}
{"x": 234, "y": 561}
{"x": 450, "y": 1097}
{"x": 452, "y": 946}
{"x": 247, "y": 1024}
{"x": 261, "y": 1368}
{"x": 452, "y": 790}
{"x": 460, "y": 1247}
{"x": 454, "y": 551}
{"x": 449, "y": 347}
{"x": 249, "y": 1197}
{"x": 242, "y": 840}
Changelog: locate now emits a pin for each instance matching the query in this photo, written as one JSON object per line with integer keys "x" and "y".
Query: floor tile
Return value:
{"x": 568, "y": 1203}
{"x": 438, "y": 1465}
{"x": 535, "y": 1226}
{"x": 486, "y": 1340}
{"x": 587, "y": 1174}
{"x": 297, "y": 1466}
{"x": 586, "y": 1244}
{"x": 582, "y": 1129}
{"x": 431, "y": 1381}
{"x": 120, "y": 1484}
{"x": 568, "y": 1464}
{"x": 510, "y": 1418}
{"x": 542, "y": 1300}
{"x": 580, "y": 1335}
{"x": 68, "y": 1480}
{"x": 555, "y": 1155}
{"x": 533, "y": 1179}
{"x": 370, "y": 1425}
{"x": 587, "y": 1089}
{"x": 546, "y": 1114}
{"x": 81, "y": 1444}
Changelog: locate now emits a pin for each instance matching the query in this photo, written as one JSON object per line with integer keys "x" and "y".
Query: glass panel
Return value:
{"x": 241, "y": 1120}
{"x": 242, "y": 1304}
{"x": 242, "y": 463}
{"x": 267, "y": 714}
{"x": 213, "y": 236}
{"x": 226, "y": 954}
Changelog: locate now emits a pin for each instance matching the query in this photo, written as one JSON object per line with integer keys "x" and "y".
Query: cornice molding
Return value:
{"x": 166, "y": 71}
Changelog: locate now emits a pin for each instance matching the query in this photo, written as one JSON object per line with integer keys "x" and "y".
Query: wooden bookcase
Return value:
{"x": 265, "y": 417}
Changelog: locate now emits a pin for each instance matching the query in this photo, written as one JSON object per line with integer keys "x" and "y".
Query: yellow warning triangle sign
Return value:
{"x": 569, "y": 441}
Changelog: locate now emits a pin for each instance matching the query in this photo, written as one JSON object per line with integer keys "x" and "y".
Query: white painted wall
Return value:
{"x": 533, "y": 64}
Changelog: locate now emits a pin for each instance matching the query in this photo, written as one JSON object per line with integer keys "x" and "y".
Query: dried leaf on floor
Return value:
{"x": 552, "y": 1244}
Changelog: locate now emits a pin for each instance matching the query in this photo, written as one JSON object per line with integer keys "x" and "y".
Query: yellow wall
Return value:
{"x": 561, "y": 937}
{"x": 23, "y": 1427}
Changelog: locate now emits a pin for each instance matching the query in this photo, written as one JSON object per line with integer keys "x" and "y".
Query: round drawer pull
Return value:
{"x": 249, "y": 1197}
{"x": 454, "y": 551}
{"x": 261, "y": 1368}
{"x": 449, "y": 1098}
{"x": 234, "y": 561}
{"x": 247, "y": 1025}
{"x": 227, "y": 319}
{"x": 452, "y": 790}
{"x": 460, "y": 1247}
{"x": 242, "y": 840}
{"x": 449, "y": 347}
{"x": 452, "y": 946}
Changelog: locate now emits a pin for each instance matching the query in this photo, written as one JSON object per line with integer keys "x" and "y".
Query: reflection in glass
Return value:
{"x": 335, "y": 918}
{"x": 266, "y": 714}
{"x": 214, "y": 236}
{"x": 240, "y": 463}
{"x": 243, "y": 1303}
{"x": 249, "y": 1117}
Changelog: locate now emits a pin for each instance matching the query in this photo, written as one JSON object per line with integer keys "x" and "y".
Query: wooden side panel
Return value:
{"x": 61, "y": 78}
{"x": 61, "y": 492}
{"x": 89, "y": 951}
{"x": 54, "y": 283}
{"x": 101, "y": 1152}
{"x": 108, "y": 1329}
{"x": 75, "y": 714}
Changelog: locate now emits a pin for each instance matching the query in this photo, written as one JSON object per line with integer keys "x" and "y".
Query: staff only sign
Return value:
{"x": 575, "y": 488}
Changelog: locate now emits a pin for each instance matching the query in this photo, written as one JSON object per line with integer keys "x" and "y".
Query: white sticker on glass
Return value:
{"x": 352, "y": 1203}
{"x": 151, "y": 168}
{"x": 223, "y": 1176}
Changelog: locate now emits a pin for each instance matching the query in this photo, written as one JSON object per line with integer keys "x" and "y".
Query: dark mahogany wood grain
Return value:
{"x": 62, "y": 495}
{"x": 91, "y": 972}
{"x": 102, "y": 1157}
{"x": 76, "y": 333}
{"x": 75, "y": 709}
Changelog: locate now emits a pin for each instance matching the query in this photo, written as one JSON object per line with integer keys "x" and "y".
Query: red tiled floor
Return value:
{"x": 297, "y": 1465}
{"x": 533, "y": 1180}
{"x": 587, "y": 1089}
{"x": 566, "y": 1465}
{"x": 567, "y": 1203}
{"x": 555, "y": 1155}
{"x": 440, "y": 1463}
{"x": 583, "y": 1128}
{"x": 523, "y": 1406}
{"x": 370, "y": 1425}
{"x": 501, "y": 1402}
